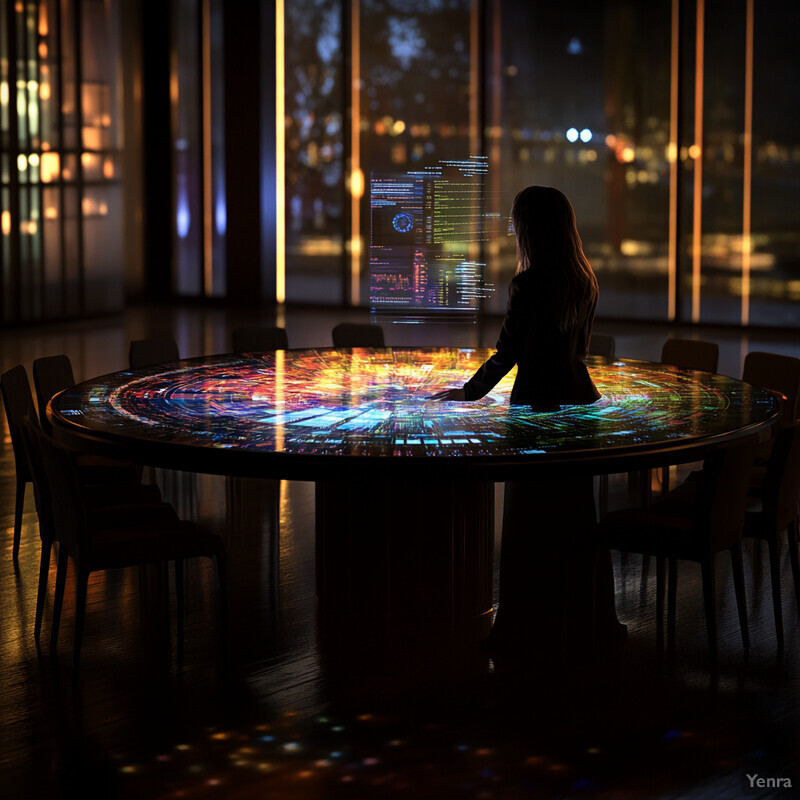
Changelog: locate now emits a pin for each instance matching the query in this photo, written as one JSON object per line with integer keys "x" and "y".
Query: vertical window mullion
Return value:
{"x": 13, "y": 286}
{"x": 59, "y": 144}
{"x": 747, "y": 171}
{"x": 39, "y": 205}
{"x": 673, "y": 245}
{"x": 79, "y": 183}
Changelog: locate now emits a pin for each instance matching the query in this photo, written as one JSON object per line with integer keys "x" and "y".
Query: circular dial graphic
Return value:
{"x": 402, "y": 222}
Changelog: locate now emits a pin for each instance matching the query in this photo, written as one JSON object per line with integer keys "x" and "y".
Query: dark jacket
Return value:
{"x": 551, "y": 368}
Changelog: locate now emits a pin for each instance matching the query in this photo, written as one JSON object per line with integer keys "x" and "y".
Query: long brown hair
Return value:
{"x": 548, "y": 242}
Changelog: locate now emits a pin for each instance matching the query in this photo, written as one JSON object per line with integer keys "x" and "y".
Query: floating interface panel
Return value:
{"x": 427, "y": 233}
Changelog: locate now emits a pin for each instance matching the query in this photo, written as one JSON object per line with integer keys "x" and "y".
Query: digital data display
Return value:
{"x": 367, "y": 403}
{"x": 427, "y": 230}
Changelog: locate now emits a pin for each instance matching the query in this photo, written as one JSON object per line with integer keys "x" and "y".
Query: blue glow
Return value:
{"x": 572, "y": 135}
{"x": 221, "y": 215}
{"x": 575, "y": 48}
{"x": 586, "y": 135}
{"x": 184, "y": 217}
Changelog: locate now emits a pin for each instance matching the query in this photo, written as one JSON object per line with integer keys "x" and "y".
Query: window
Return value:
{"x": 61, "y": 216}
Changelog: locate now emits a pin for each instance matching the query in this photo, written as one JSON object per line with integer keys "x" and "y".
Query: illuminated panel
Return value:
{"x": 373, "y": 403}
{"x": 426, "y": 230}
{"x": 747, "y": 172}
{"x": 696, "y": 152}
{"x": 356, "y": 175}
{"x": 280, "y": 157}
{"x": 672, "y": 154}
{"x": 208, "y": 266}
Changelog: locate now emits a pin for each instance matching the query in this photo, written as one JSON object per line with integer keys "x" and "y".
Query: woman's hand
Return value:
{"x": 449, "y": 394}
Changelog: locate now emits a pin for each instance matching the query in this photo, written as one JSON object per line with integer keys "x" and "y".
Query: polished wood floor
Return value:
{"x": 281, "y": 724}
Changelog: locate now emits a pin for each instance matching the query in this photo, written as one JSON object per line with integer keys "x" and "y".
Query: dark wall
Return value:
{"x": 156, "y": 151}
{"x": 249, "y": 137}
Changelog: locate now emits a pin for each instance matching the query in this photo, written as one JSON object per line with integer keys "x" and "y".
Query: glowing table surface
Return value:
{"x": 404, "y": 486}
{"x": 324, "y": 413}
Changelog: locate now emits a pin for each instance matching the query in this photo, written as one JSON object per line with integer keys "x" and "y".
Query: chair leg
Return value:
{"x": 710, "y": 604}
{"x": 774, "y": 543}
{"x": 82, "y": 585}
{"x": 646, "y": 488}
{"x": 275, "y": 541}
{"x": 741, "y": 599}
{"x": 672, "y": 598}
{"x": 660, "y": 566}
{"x": 794, "y": 558}
{"x": 643, "y": 580}
{"x": 41, "y": 593}
{"x": 58, "y": 597}
{"x": 639, "y": 486}
{"x": 222, "y": 593}
{"x": 18, "y": 506}
{"x": 179, "y": 583}
{"x": 602, "y": 495}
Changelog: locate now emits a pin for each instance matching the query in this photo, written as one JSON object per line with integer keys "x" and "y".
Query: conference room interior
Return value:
{"x": 160, "y": 200}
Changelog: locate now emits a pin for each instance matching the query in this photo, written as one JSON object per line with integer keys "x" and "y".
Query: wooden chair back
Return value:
{"x": 691, "y": 354}
{"x": 18, "y": 404}
{"x": 351, "y": 334}
{"x": 149, "y": 352}
{"x": 51, "y": 375}
{"x": 259, "y": 338}
{"x": 776, "y": 373}
{"x": 602, "y": 344}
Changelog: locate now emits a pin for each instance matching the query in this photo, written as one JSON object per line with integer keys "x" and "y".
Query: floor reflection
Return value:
{"x": 136, "y": 725}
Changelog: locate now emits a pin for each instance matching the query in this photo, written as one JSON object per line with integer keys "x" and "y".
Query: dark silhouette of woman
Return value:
{"x": 548, "y": 560}
{"x": 551, "y": 305}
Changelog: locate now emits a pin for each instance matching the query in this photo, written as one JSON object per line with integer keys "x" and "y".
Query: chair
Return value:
{"x": 51, "y": 375}
{"x": 351, "y": 334}
{"x": 688, "y": 354}
{"x": 259, "y": 338}
{"x": 106, "y": 538}
{"x": 149, "y": 352}
{"x": 693, "y": 522}
{"x": 114, "y": 480}
{"x": 778, "y": 511}
{"x": 99, "y": 499}
{"x": 776, "y": 373}
{"x": 602, "y": 345}
{"x": 691, "y": 354}
{"x": 781, "y": 375}
{"x": 18, "y": 404}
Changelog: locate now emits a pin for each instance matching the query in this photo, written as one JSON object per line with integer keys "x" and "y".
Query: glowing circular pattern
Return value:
{"x": 402, "y": 223}
{"x": 363, "y": 403}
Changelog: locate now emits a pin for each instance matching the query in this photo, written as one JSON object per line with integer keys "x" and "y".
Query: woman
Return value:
{"x": 551, "y": 305}
{"x": 549, "y": 567}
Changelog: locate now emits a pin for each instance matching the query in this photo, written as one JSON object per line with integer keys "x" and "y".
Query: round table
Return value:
{"x": 405, "y": 486}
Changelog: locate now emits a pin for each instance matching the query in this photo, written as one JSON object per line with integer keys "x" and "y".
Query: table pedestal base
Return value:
{"x": 404, "y": 568}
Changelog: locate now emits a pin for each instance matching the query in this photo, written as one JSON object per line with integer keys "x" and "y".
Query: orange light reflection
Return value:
{"x": 696, "y": 151}
{"x": 747, "y": 172}
{"x": 672, "y": 258}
